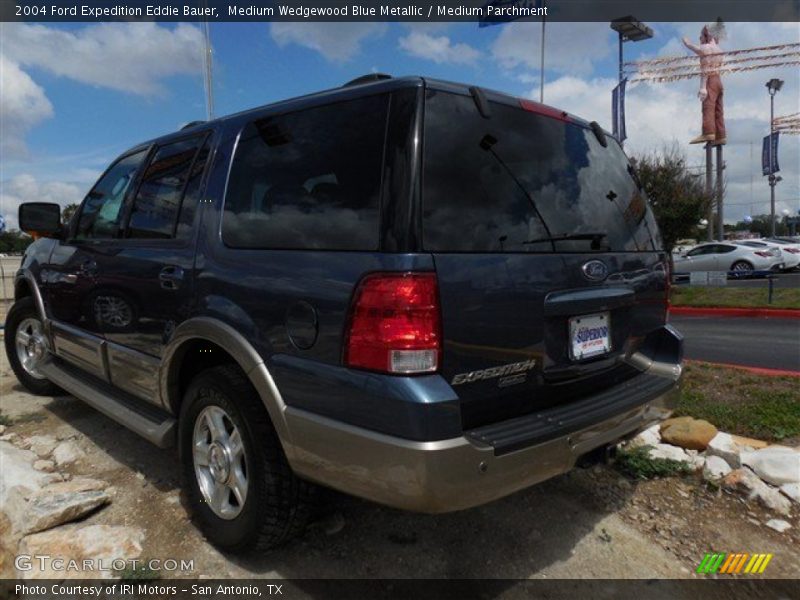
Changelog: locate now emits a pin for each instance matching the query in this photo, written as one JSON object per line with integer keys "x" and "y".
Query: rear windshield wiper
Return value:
{"x": 595, "y": 238}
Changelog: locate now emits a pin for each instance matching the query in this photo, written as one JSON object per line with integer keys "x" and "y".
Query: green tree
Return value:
{"x": 14, "y": 241}
{"x": 678, "y": 197}
{"x": 68, "y": 211}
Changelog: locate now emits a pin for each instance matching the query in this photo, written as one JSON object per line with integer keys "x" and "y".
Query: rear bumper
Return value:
{"x": 461, "y": 472}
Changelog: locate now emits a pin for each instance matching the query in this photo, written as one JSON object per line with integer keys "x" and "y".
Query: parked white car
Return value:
{"x": 724, "y": 256}
{"x": 789, "y": 259}
{"x": 790, "y": 248}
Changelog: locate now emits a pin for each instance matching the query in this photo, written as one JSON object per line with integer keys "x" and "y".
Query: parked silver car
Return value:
{"x": 790, "y": 249}
{"x": 724, "y": 256}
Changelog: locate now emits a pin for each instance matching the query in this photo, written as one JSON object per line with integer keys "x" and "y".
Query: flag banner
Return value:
{"x": 618, "y": 111}
{"x": 769, "y": 154}
{"x": 623, "y": 134}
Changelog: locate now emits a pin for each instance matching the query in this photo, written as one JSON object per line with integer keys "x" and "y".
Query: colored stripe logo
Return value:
{"x": 731, "y": 563}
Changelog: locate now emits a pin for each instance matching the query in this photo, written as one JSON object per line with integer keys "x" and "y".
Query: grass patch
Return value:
{"x": 139, "y": 573}
{"x": 743, "y": 403}
{"x": 638, "y": 464}
{"x": 734, "y": 297}
{"x": 5, "y": 420}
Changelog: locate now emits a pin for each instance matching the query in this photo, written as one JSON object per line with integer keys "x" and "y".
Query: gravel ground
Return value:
{"x": 587, "y": 524}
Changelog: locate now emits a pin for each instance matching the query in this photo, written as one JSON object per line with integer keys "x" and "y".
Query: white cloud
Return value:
{"x": 337, "y": 42}
{"x": 23, "y": 105}
{"x": 661, "y": 115}
{"x": 129, "y": 57}
{"x": 570, "y": 48}
{"x": 26, "y": 188}
{"x": 439, "y": 49}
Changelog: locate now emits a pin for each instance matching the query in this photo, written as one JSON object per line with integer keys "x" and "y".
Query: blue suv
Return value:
{"x": 422, "y": 293}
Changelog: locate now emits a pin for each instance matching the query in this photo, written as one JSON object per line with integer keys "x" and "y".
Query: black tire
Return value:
{"x": 278, "y": 504}
{"x": 22, "y": 309}
{"x": 744, "y": 268}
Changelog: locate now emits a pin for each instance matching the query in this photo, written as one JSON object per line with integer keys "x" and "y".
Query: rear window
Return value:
{"x": 519, "y": 181}
{"x": 309, "y": 179}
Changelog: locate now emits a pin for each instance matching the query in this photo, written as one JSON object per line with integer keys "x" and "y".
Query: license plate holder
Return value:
{"x": 589, "y": 335}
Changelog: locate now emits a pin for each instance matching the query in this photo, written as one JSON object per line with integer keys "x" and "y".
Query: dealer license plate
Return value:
{"x": 590, "y": 335}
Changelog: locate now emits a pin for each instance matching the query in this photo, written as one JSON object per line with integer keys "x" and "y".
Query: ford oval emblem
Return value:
{"x": 595, "y": 270}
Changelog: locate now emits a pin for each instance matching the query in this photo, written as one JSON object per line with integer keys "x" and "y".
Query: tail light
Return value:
{"x": 395, "y": 324}
{"x": 762, "y": 253}
{"x": 792, "y": 250}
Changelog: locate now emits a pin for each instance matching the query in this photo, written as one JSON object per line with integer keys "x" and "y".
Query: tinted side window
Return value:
{"x": 102, "y": 208}
{"x": 309, "y": 179}
{"x": 192, "y": 194}
{"x": 158, "y": 200}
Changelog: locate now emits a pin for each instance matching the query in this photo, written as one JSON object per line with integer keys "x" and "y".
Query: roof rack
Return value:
{"x": 369, "y": 78}
{"x": 192, "y": 124}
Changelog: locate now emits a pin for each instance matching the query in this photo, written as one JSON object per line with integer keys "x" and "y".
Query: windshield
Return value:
{"x": 522, "y": 182}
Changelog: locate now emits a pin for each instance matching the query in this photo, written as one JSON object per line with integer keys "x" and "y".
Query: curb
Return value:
{"x": 703, "y": 311}
{"x": 754, "y": 370}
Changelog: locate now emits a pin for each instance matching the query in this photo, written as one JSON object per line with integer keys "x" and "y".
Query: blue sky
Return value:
{"x": 74, "y": 96}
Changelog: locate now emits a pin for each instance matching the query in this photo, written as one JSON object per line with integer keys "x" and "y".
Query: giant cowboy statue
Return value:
{"x": 711, "y": 90}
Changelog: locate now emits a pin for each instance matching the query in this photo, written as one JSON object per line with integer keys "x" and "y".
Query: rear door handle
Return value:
{"x": 171, "y": 277}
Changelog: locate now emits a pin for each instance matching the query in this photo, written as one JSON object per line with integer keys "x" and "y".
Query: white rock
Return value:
{"x": 66, "y": 453}
{"x": 792, "y": 491}
{"x": 79, "y": 484}
{"x": 102, "y": 543}
{"x": 42, "y": 445}
{"x": 722, "y": 445}
{"x": 8, "y": 437}
{"x": 47, "y": 509}
{"x": 774, "y": 464}
{"x": 47, "y": 466}
{"x": 649, "y": 437}
{"x": 2, "y": 429}
{"x": 748, "y": 482}
{"x": 715, "y": 468}
{"x": 779, "y": 525}
{"x": 697, "y": 460}
{"x": 670, "y": 452}
{"x": 16, "y": 468}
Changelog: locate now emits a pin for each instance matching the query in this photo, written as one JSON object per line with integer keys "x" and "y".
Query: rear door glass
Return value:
{"x": 309, "y": 179}
{"x": 515, "y": 181}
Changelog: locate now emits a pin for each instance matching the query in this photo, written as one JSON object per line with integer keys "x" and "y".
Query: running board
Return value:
{"x": 153, "y": 424}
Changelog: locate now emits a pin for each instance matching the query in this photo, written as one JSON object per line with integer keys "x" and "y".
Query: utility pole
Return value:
{"x": 541, "y": 61}
{"x": 208, "y": 68}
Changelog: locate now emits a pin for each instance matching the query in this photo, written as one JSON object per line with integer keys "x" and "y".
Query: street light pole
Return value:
{"x": 773, "y": 87}
{"x": 629, "y": 30}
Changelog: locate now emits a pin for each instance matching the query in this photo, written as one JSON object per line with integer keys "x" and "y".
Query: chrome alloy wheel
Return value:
{"x": 220, "y": 463}
{"x": 31, "y": 346}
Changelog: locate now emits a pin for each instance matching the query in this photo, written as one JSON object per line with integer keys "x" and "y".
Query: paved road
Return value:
{"x": 758, "y": 342}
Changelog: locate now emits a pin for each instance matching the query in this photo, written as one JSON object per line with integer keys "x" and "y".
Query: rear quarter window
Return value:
{"x": 512, "y": 182}
{"x": 309, "y": 179}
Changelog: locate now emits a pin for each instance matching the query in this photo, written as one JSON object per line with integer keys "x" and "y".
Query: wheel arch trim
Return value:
{"x": 24, "y": 275}
{"x": 244, "y": 354}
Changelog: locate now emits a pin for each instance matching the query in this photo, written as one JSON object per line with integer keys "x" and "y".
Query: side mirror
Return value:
{"x": 40, "y": 219}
